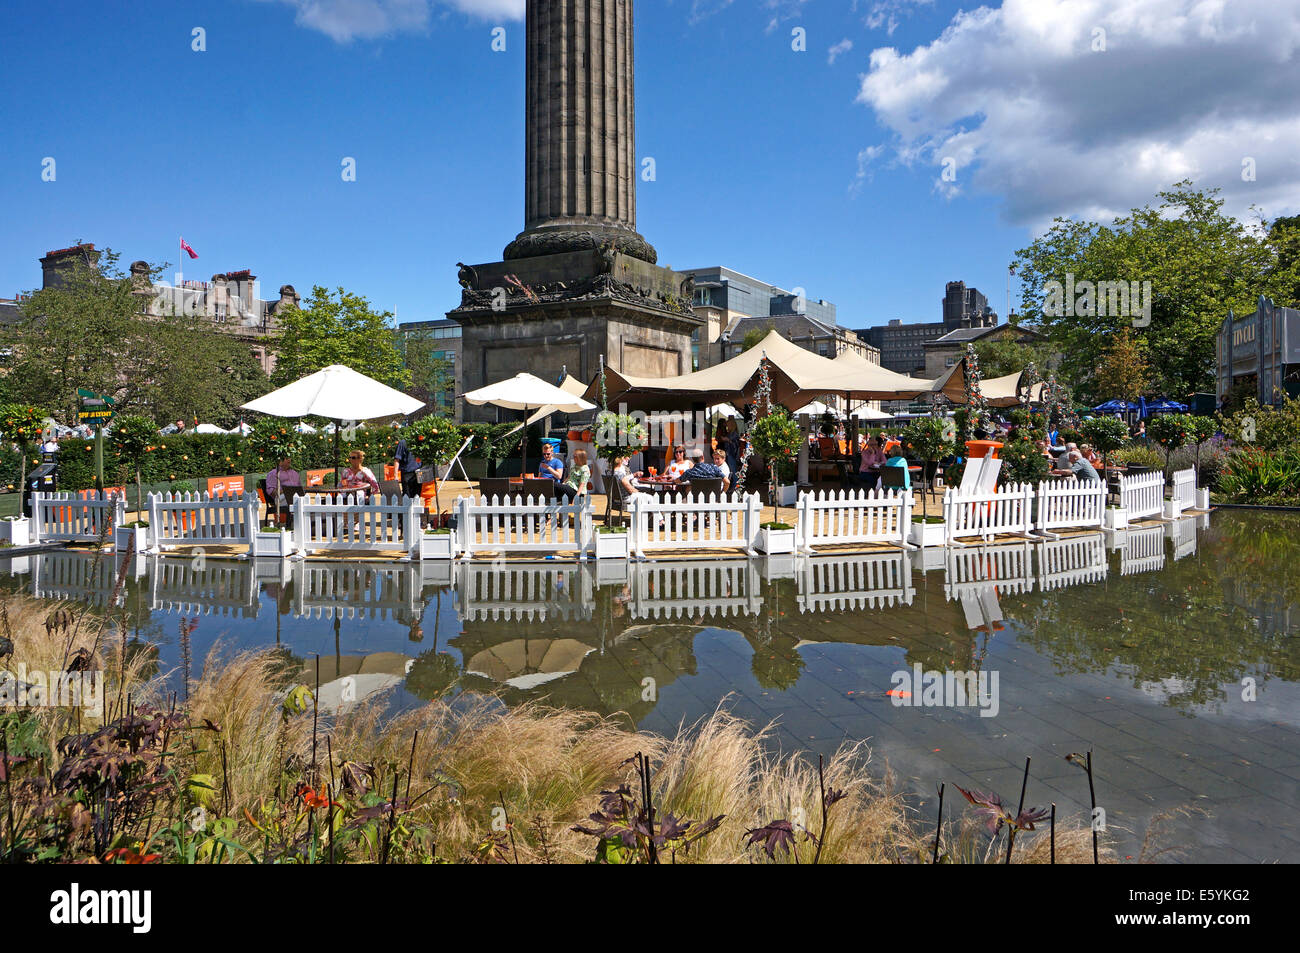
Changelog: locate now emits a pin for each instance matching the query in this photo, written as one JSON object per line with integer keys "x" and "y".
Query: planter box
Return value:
{"x": 1115, "y": 518}
{"x": 926, "y": 534}
{"x": 1202, "y": 499}
{"x": 1173, "y": 509}
{"x": 931, "y": 557}
{"x": 613, "y": 545}
{"x": 778, "y": 567}
{"x": 775, "y": 542}
{"x": 16, "y": 532}
{"x": 437, "y": 546}
{"x": 123, "y": 536}
{"x": 274, "y": 544}
{"x": 787, "y": 495}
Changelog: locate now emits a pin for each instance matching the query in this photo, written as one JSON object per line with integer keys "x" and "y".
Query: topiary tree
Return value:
{"x": 930, "y": 439}
{"x": 134, "y": 436}
{"x": 777, "y": 437}
{"x": 22, "y": 424}
{"x": 1171, "y": 431}
{"x": 1106, "y": 434}
{"x": 1022, "y": 461}
{"x": 276, "y": 440}
{"x": 1201, "y": 429}
{"x": 434, "y": 440}
{"x": 618, "y": 435}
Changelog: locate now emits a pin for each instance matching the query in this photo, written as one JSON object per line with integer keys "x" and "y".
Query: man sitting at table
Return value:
{"x": 720, "y": 461}
{"x": 700, "y": 470}
{"x": 282, "y": 485}
{"x": 1078, "y": 467}
{"x": 551, "y": 467}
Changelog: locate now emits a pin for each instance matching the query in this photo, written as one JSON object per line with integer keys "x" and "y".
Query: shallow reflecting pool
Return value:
{"x": 1169, "y": 651}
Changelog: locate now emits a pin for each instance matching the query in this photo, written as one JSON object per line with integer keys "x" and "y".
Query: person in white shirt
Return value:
{"x": 720, "y": 461}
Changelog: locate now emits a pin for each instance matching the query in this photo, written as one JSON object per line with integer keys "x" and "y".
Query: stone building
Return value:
{"x": 1258, "y": 354}
{"x": 229, "y": 302}
{"x": 942, "y": 353}
{"x": 903, "y": 345}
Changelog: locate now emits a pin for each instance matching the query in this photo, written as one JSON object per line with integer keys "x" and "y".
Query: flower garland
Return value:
{"x": 975, "y": 403}
{"x": 763, "y": 396}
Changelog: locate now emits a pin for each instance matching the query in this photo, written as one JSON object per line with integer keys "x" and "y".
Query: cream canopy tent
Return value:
{"x": 859, "y": 379}
{"x": 997, "y": 391}
{"x": 570, "y": 385}
{"x": 796, "y": 377}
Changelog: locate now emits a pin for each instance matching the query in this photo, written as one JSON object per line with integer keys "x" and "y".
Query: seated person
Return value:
{"x": 357, "y": 475}
{"x": 720, "y": 461}
{"x": 699, "y": 469}
{"x": 872, "y": 459}
{"x": 678, "y": 466}
{"x": 575, "y": 484}
{"x": 1090, "y": 455}
{"x": 625, "y": 478}
{"x": 896, "y": 459}
{"x": 282, "y": 485}
{"x": 1078, "y": 467}
{"x": 551, "y": 467}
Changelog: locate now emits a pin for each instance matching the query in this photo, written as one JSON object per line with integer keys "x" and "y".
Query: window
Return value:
{"x": 950, "y": 362}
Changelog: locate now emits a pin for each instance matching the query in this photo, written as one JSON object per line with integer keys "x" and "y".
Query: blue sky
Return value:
{"x": 820, "y": 169}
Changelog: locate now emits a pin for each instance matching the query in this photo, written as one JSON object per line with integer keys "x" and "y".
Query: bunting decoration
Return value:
{"x": 762, "y": 396}
{"x": 975, "y": 404}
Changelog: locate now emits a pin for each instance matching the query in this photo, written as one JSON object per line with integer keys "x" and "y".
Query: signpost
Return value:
{"x": 96, "y": 409}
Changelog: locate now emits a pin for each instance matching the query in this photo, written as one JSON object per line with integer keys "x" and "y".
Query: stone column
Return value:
{"x": 581, "y": 160}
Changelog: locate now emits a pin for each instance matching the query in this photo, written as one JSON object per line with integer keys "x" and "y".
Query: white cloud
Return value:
{"x": 838, "y": 50}
{"x": 345, "y": 20}
{"x": 1029, "y": 110}
{"x": 886, "y": 13}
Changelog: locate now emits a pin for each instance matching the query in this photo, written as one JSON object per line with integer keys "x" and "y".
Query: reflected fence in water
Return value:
{"x": 697, "y": 589}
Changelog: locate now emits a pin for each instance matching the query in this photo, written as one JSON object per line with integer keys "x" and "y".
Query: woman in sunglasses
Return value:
{"x": 678, "y": 465}
{"x": 357, "y": 475}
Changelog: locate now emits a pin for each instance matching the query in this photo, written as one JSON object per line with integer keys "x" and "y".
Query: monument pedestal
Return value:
{"x": 552, "y": 313}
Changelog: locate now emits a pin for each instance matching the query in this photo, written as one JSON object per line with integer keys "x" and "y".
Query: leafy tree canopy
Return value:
{"x": 339, "y": 328}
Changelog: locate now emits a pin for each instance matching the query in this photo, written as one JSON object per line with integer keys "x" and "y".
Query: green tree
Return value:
{"x": 1001, "y": 357}
{"x": 342, "y": 329}
{"x": 754, "y": 336}
{"x": 930, "y": 439}
{"x": 1122, "y": 372}
{"x": 134, "y": 436}
{"x": 434, "y": 441}
{"x": 1200, "y": 262}
{"x": 1106, "y": 434}
{"x": 433, "y": 378}
{"x": 1172, "y": 431}
{"x": 21, "y": 423}
{"x": 777, "y": 437}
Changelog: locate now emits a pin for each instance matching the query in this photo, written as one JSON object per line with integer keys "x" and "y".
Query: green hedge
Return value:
{"x": 199, "y": 456}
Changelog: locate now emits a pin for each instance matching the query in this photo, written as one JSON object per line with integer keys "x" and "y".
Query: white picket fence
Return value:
{"x": 1182, "y": 533}
{"x": 693, "y": 589}
{"x": 1184, "y": 493}
{"x": 1071, "y": 561}
{"x": 1143, "y": 550}
{"x": 689, "y": 523}
{"x": 1008, "y": 510}
{"x": 221, "y": 588}
{"x": 1005, "y": 567}
{"x": 875, "y": 581}
{"x": 356, "y": 590}
{"x": 485, "y": 592}
{"x": 201, "y": 519}
{"x": 1074, "y": 504}
{"x": 1142, "y": 495}
{"x": 352, "y": 524}
{"x": 864, "y": 516}
{"x": 66, "y": 517}
{"x": 518, "y": 525}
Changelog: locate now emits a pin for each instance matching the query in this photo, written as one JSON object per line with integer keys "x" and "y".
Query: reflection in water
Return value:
{"x": 1100, "y": 640}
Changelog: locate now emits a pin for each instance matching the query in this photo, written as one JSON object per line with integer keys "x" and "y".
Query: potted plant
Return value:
{"x": 775, "y": 538}
{"x": 434, "y": 442}
{"x": 134, "y": 436}
{"x": 1106, "y": 434}
{"x": 777, "y": 437}
{"x": 15, "y": 530}
{"x": 927, "y": 531}
{"x": 1115, "y": 518}
{"x": 929, "y": 439}
{"x": 133, "y": 535}
{"x": 1171, "y": 431}
{"x": 21, "y": 424}
{"x": 437, "y": 543}
{"x": 273, "y": 543}
{"x": 612, "y": 542}
{"x": 617, "y": 435}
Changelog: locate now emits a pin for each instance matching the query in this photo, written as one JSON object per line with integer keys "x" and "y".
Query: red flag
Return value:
{"x": 185, "y": 247}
